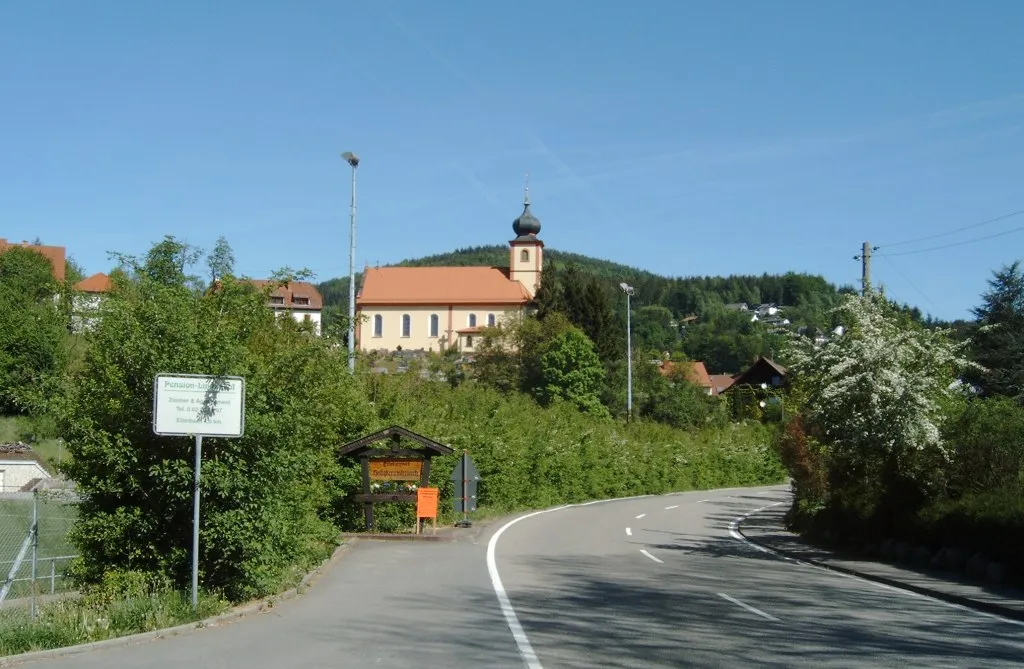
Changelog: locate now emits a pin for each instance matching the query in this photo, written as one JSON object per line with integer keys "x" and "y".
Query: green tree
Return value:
{"x": 268, "y": 496}
{"x": 998, "y": 344}
{"x": 220, "y": 261}
{"x": 571, "y": 370}
{"x": 33, "y": 331}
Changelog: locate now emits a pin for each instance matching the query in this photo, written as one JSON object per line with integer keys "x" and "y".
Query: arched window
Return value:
{"x": 406, "y": 325}
{"x": 472, "y": 320}
{"x": 469, "y": 341}
{"x": 433, "y": 325}
{"x": 378, "y": 325}
{"x": 491, "y": 320}
{"x": 524, "y": 256}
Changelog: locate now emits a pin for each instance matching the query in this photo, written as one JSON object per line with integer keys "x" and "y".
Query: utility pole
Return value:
{"x": 865, "y": 271}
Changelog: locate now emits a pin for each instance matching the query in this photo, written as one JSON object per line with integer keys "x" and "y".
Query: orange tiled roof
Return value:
{"x": 55, "y": 254}
{"x": 440, "y": 285}
{"x": 694, "y": 371}
{"x": 97, "y": 283}
{"x": 295, "y": 289}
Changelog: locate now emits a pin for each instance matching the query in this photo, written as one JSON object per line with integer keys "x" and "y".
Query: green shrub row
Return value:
{"x": 531, "y": 457}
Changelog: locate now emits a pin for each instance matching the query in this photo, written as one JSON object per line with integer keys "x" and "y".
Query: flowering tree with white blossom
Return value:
{"x": 875, "y": 393}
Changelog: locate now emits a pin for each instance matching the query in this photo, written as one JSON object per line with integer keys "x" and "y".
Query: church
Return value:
{"x": 437, "y": 308}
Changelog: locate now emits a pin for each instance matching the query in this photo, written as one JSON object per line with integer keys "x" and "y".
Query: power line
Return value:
{"x": 966, "y": 241}
{"x": 907, "y": 279}
{"x": 956, "y": 230}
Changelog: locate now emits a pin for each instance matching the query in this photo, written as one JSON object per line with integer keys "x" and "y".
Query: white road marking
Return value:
{"x": 734, "y": 530}
{"x": 641, "y": 516}
{"x": 701, "y": 501}
{"x": 522, "y": 641}
{"x": 674, "y": 506}
{"x": 629, "y": 532}
{"x": 748, "y": 607}
{"x": 651, "y": 556}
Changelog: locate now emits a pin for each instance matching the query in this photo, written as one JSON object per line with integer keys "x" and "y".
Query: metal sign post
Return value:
{"x": 194, "y": 405}
{"x": 195, "y": 522}
{"x": 465, "y": 478}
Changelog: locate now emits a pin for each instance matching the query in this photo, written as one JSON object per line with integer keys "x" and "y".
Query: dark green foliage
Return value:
{"x": 998, "y": 343}
{"x": 267, "y": 497}
{"x": 33, "y": 331}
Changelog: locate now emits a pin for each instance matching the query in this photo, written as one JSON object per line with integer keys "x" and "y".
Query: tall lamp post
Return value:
{"x": 628, "y": 290}
{"x": 353, "y": 160}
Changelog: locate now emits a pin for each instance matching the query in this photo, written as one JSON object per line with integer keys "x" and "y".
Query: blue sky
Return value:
{"x": 686, "y": 138}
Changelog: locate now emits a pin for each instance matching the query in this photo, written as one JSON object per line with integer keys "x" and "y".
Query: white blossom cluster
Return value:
{"x": 878, "y": 387}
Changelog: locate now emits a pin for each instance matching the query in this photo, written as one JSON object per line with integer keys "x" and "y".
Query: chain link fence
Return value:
{"x": 34, "y": 550}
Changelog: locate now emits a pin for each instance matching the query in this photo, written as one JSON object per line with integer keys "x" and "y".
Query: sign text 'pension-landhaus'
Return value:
{"x": 192, "y": 405}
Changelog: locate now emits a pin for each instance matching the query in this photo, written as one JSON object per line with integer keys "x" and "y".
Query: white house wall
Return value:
{"x": 14, "y": 474}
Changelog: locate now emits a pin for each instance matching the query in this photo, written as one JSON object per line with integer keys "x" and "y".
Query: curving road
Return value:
{"x": 646, "y": 582}
{"x": 662, "y": 582}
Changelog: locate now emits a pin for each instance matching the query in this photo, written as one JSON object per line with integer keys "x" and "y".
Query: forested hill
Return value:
{"x": 684, "y": 296}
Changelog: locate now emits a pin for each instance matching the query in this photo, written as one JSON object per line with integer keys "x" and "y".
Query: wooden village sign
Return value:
{"x": 392, "y": 464}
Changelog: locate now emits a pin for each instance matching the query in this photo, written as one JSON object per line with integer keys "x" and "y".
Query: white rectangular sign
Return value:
{"x": 196, "y": 405}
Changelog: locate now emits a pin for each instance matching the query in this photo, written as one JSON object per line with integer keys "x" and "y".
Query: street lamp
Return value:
{"x": 353, "y": 160}
{"x": 628, "y": 290}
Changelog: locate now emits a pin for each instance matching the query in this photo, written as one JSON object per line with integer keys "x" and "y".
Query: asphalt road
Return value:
{"x": 660, "y": 582}
{"x": 647, "y": 582}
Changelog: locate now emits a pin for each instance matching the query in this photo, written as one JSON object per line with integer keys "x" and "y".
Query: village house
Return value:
{"x": 693, "y": 371}
{"x": 437, "y": 308}
{"x": 55, "y": 254}
{"x": 86, "y": 301}
{"x": 299, "y": 299}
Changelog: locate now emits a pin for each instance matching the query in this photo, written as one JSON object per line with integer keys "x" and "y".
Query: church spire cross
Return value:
{"x": 526, "y": 191}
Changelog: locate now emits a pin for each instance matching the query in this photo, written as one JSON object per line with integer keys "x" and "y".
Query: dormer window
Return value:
{"x": 276, "y": 299}
{"x": 301, "y": 300}
{"x": 524, "y": 255}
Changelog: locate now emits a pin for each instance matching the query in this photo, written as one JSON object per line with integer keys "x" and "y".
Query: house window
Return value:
{"x": 300, "y": 300}
{"x": 524, "y": 256}
{"x": 378, "y": 326}
{"x": 406, "y": 324}
{"x": 469, "y": 341}
{"x": 776, "y": 381}
{"x": 433, "y": 325}
{"x": 490, "y": 320}
{"x": 472, "y": 320}
{"x": 276, "y": 299}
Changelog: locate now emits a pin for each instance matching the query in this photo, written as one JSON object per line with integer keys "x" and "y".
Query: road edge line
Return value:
{"x": 953, "y": 601}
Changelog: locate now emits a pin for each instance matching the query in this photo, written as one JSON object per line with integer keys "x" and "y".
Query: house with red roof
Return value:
{"x": 436, "y": 308}
{"x": 298, "y": 299}
{"x": 55, "y": 254}
{"x": 88, "y": 295}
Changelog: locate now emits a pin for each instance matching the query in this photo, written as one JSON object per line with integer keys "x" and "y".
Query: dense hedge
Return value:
{"x": 533, "y": 457}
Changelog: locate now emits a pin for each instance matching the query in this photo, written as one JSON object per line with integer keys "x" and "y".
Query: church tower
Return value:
{"x": 526, "y": 252}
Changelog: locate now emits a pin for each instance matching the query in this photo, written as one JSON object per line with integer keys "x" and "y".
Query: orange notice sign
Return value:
{"x": 395, "y": 470}
{"x": 426, "y": 502}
